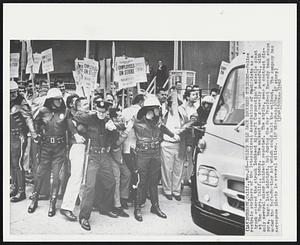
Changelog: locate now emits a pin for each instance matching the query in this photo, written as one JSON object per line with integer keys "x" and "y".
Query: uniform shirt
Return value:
{"x": 51, "y": 123}
{"x": 91, "y": 127}
{"x": 127, "y": 115}
{"x": 21, "y": 116}
{"x": 148, "y": 131}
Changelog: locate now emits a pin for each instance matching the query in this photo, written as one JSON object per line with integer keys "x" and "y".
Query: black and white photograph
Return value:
{"x": 147, "y": 135}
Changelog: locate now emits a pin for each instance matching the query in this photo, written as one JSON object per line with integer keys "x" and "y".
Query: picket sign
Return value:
{"x": 129, "y": 71}
{"x": 14, "y": 65}
{"x": 85, "y": 76}
{"x": 47, "y": 61}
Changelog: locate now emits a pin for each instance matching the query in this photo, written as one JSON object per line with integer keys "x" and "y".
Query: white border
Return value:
{"x": 211, "y": 22}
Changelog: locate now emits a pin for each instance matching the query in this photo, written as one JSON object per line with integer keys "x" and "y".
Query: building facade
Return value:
{"x": 203, "y": 57}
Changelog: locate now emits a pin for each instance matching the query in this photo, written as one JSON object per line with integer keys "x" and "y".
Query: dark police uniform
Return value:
{"x": 20, "y": 122}
{"x": 52, "y": 125}
{"x": 149, "y": 135}
{"x": 91, "y": 127}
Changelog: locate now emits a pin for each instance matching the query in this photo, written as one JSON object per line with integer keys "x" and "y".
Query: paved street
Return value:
{"x": 179, "y": 221}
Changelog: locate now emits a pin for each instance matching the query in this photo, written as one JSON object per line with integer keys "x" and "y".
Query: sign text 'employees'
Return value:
{"x": 130, "y": 71}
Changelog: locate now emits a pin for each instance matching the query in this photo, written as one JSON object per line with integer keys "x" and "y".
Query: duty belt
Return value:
{"x": 99, "y": 150}
{"x": 148, "y": 145}
{"x": 54, "y": 139}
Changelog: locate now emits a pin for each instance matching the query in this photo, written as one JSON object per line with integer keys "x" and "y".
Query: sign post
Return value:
{"x": 48, "y": 79}
{"x": 123, "y": 99}
{"x": 208, "y": 81}
{"x": 23, "y": 60}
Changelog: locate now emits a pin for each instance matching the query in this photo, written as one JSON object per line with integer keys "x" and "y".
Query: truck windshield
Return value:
{"x": 230, "y": 108}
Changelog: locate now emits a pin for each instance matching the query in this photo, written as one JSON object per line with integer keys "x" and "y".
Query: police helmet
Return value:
{"x": 54, "y": 93}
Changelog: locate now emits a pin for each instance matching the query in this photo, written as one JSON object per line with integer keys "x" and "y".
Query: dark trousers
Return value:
{"x": 129, "y": 160}
{"x": 99, "y": 177}
{"x": 17, "y": 148}
{"x": 51, "y": 159}
{"x": 148, "y": 165}
{"x": 35, "y": 161}
{"x": 64, "y": 176}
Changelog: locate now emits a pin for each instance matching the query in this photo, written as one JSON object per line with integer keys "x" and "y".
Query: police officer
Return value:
{"x": 149, "y": 130}
{"x": 20, "y": 123}
{"x": 96, "y": 128}
{"x": 51, "y": 123}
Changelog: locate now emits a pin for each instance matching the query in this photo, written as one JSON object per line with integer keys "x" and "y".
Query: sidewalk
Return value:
{"x": 179, "y": 221}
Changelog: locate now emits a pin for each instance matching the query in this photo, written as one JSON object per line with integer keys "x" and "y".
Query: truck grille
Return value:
{"x": 236, "y": 201}
{"x": 236, "y": 185}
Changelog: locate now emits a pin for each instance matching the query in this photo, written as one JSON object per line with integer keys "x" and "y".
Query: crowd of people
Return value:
{"x": 97, "y": 154}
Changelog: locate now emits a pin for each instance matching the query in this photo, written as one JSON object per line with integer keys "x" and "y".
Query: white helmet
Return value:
{"x": 208, "y": 99}
{"x": 54, "y": 93}
{"x": 14, "y": 85}
{"x": 151, "y": 100}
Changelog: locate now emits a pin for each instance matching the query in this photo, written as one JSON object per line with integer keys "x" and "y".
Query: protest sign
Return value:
{"x": 37, "y": 58}
{"x": 129, "y": 71}
{"x": 14, "y": 64}
{"x": 78, "y": 77}
{"x": 90, "y": 73}
{"x": 85, "y": 76}
{"x": 223, "y": 68}
{"x": 79, "y": 70}
{"x": 102, "y": 74}
{"x": 47, "y": 61}
{"x": 30, "y": 62}
{"x": 79, "y": 88}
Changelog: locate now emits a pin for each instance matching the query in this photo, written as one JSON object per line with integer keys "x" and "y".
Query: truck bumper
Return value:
{"x": 211, "y": 220}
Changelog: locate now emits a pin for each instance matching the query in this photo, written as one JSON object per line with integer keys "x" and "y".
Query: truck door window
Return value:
{"x": 230, "y": 108}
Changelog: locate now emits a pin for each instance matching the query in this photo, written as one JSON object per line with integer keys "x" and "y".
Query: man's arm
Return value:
{"x": 26, "y": 113}
{"x": 124, "y": 134}
{"x": 165, "y": 130}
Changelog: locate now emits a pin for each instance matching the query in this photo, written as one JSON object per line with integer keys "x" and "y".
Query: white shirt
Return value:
{"x": 197, "y": 104}
{"x": 127, "y": 114}
{"x": 190, "y": 110}
{"x": 164, "y": 108}
{"x": 66, "y": 95}
{"x": 173, "y": 123}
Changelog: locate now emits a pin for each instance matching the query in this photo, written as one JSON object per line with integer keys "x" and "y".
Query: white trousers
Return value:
{"x": 26, "y": 156}
{"x": 76, "y": 156}
{"x": 171, "y": 168}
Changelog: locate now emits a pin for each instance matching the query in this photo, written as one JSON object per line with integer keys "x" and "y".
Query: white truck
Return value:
{"x": 219, "y": 165}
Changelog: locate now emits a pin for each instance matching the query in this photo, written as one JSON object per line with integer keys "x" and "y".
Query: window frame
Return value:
{"x": 220, "y": 96}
